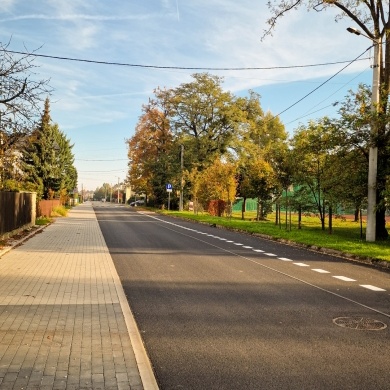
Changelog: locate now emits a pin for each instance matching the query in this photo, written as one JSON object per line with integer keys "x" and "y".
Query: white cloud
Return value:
{"x": 7, "y": 5}
{"x": 106, "y": 99}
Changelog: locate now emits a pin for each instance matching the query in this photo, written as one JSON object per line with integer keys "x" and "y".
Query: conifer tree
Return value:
{"x": 48, "y": 159}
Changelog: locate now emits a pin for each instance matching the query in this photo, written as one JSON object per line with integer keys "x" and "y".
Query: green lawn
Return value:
{"x": 345, "y": 236}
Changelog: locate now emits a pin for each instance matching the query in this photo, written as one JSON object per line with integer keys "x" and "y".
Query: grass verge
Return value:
{"x": 345, "y": 236}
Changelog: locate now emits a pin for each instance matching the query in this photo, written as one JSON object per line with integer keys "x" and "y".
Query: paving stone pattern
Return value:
{"x": 61, "y": 322}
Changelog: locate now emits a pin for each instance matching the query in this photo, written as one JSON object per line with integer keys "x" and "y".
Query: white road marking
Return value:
{"x": 344, "y": 278}
{"x": 301, "y": 264}
{"x": 284, "y": 259}
{"x": 282, "y": 273}
{"x": 270, "y": 254}
{"x": 237, "y": 243}
{"x": 247, "y": 247}
{"x": 373, "y": 288}
{"x": 321, "y": 271}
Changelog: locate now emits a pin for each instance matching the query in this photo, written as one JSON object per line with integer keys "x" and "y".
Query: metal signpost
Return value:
{"x": 169, "y": 190}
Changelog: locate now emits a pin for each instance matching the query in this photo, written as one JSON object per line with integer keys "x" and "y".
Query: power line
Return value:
{"x": 179, "y": 67}
{"x": 115, "y": 159}
{"x": 310, "y": 112}
{"x": 322, "y": 84}
{"x": 113, "y": 170}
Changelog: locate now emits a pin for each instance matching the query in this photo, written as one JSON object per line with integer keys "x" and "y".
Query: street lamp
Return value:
{"x": 373, "y": 152}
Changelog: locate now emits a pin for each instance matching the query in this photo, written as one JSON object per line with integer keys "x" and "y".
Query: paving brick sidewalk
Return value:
{"x": 64, "y": 319}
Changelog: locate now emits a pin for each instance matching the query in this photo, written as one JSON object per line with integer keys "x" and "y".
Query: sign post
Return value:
{"x": 169, "y": 190}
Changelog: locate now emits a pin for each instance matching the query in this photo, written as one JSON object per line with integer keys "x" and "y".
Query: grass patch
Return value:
{"x": 59, "y": 211}
{"x": 345, "y": 236}
{"x": 43, "y": 221}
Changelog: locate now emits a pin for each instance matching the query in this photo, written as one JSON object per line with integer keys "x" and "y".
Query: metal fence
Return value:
{"x": 17, "y": 211}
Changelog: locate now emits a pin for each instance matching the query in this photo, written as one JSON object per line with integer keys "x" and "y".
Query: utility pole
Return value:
{"x": 118, "y": 189}
{"x": 373, "y": 151}
{"x": 181, "y": 177}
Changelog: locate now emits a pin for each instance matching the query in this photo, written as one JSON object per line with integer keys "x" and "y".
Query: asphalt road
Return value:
{"x": 222, "y": 310}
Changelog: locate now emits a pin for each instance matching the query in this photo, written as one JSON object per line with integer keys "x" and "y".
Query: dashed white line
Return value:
{"x": 373, "y": 288}
{"x": 344, "y": 278}
{"x": 321, "y": 271}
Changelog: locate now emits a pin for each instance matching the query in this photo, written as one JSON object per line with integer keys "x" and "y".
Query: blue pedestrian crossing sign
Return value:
{"x": 169, "y": 187}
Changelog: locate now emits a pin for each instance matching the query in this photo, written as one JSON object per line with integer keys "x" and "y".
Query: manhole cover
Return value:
{"x": 359, "y": 323}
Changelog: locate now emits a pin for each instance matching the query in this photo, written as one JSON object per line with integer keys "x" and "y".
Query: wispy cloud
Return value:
{"x": 102, "y": 99}
{"x": 74, "y": 17}
{"x": 7, "y": 5}
{"x": 177, "y": 8}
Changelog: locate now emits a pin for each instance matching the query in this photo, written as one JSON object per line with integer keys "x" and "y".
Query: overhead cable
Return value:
{"x": 178, "y": 67}
{"x": 322, "y": 84}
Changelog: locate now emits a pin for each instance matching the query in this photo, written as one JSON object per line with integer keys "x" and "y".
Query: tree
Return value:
{"x": 353, "y": 131}
{"x": 259, "y": 145}
{"x": 203, "y": 118}
{"x": 48, "y": 159}
{"x": 373, "y": 17}
{"x": 100, "y": 193}
{"x": 313, "y": 148}
{"x": 218, "y": 183}
{"x": 20, "y": 97}
{"x": 150, "y": 157}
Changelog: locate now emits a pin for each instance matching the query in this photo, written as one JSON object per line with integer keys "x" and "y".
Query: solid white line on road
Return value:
{"x": 345, "y": 279}
{"x": 321, "y": 271}
{"x": 301, "y": 264}
{"x": 373, "y": 288}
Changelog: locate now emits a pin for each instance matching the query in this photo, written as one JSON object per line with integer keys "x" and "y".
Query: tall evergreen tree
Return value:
{"x": 48, "y": 159}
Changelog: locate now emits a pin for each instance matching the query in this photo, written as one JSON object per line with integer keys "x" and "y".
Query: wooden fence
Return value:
{"x": 17, "y": 211}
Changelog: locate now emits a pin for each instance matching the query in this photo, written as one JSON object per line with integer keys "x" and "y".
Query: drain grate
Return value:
{"x": 359, "y": 323}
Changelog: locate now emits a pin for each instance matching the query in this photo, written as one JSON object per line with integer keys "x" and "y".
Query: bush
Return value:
{"x": 42, "y": 221}
{"x": 59, "y": 211}
{"x": 217, "y": 207}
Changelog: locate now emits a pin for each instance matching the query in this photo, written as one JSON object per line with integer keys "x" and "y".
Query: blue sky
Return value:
{"x": 98, "y": 106}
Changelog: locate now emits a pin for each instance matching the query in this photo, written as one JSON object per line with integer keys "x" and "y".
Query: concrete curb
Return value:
{"x": 6, "y": 249}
